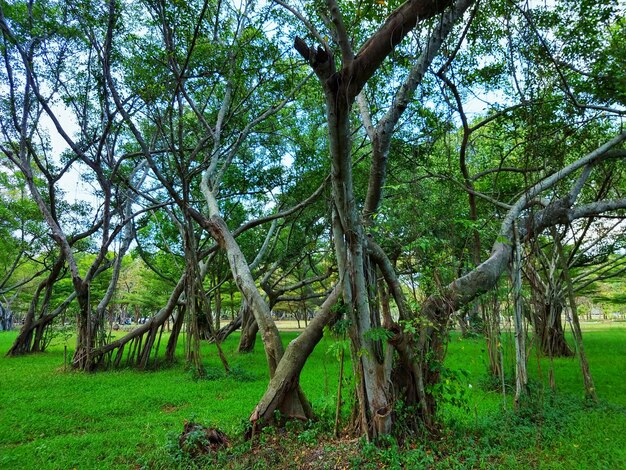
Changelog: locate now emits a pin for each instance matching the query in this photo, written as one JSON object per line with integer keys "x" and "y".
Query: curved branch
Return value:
{"x": 306, "y": 23}
{"x": 383, "y": 132}
{"x": 347, "y": 55}
{"x": 597, "y": 208}
{"x": 478, "y": 281}
{"x": 376, "y": 49}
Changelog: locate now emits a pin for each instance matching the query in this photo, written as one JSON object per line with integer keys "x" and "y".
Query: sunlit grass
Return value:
{"x": 52, "y": 418}
{"x": 56, "y": 418}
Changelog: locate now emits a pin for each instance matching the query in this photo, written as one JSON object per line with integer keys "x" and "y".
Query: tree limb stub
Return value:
{"x": 319, "y": 60}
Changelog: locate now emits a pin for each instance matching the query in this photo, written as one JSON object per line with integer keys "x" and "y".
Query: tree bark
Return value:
{"x": 249, "y": 329}
{"x": 6, "y": 318}
{"x": 170, "y": 350}
{"x": 547, "y": 305}
{"x": 283, "y": 392}
{"x": 491, "y": 326}
{"x": 548, "y": 326}
{"x": 225, "y": 331}
{"x": 87, "y": 330}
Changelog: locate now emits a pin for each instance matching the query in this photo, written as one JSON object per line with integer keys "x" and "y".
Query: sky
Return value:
{"x": 75, "y": 190}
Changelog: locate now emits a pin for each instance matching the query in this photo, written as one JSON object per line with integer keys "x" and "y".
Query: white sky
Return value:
{"x": 75, "y": 189}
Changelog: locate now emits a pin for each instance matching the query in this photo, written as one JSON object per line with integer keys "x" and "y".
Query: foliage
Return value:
{"x": 179, "y": 107}
{"x": 452, "y": 389}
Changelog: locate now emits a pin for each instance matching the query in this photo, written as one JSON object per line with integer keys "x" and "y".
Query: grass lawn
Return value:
{"x": 52, "y": 418}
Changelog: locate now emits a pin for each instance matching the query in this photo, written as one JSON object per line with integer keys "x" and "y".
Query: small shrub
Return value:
{"x": 216, "y": 373}
{"x": 493, "y": 383}
{"x": 452, "y": 388}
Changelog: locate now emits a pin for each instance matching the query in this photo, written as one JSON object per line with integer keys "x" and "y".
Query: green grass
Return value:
{"x": 51, "y": 418}
{"x": 563, "y": 431}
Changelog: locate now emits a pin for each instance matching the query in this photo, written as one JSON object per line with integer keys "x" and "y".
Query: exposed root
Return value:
{"x": 197, "y": 440}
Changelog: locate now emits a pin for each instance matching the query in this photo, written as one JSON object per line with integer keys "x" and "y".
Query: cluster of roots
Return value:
{"x": 197, "y": 440}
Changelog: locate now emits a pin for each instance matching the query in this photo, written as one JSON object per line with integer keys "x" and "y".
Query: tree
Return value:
{"x": 341, "y": 85}
{"x": 36, "y": 60}
{"x": 218, "y": 139}
{"x": 23, "y": 246}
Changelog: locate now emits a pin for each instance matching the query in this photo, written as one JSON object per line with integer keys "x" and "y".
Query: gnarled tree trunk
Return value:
{"x": 170, "y": 350}
{"x": 283, "y": 392}
{"x": 87, "y": 333}
{"x": 372, "y": 366}
{"x": 249, "y": 329}
{"x": 548, "y": 326}
{"x": 138, "y": 344}
{"x": 546, "y": 311}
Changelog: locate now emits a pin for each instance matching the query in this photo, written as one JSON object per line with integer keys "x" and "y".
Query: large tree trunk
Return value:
{"x": 548, "y": 327}
{"x": 249, "y": 329}
{"x": 32, "y": 336}
{"x": 23, "y": 342}
{"x": 205, "y": 322}
{"x": 372, "y": 366}
{"x": 371, "y": 374}
{"x": 86, "y": 337}
{"x": 410, "y": 371}
{"x": 545, "y": 314}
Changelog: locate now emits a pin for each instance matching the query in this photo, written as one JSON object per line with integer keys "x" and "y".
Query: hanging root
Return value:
{"x": 142, "y": 346}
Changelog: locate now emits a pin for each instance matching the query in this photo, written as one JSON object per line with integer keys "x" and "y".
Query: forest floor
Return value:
{"x": 52, "y": 417}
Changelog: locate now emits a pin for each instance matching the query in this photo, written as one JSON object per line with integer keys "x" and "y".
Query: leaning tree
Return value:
{"x": 48, "y": 62}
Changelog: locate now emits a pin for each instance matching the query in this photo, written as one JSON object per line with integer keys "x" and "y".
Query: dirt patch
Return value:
{"x": 171, "y": 408}
{"x": 334, "y": 454}
{"x": 286, "y": 451}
